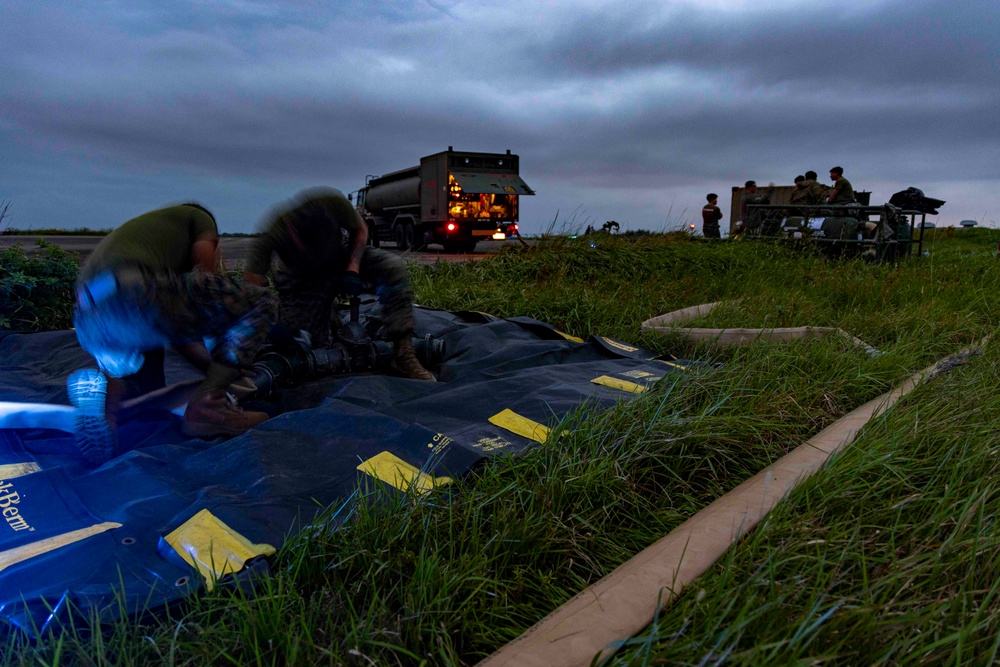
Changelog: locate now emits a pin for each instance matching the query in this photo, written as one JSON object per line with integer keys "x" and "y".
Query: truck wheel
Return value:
{"x": 400, "y": 237}
{"x": 410, "y": 237}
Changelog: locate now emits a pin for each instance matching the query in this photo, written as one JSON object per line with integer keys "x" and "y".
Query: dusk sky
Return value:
{"x": 623, "y": 110}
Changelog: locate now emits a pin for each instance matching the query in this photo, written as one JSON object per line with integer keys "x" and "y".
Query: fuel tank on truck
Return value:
{"x": 394, "y": 194}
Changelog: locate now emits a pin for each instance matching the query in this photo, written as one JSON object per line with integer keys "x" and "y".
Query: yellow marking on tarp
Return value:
{"x": 12, "y": 470}
{"x": 389, "y": 468}
{"x": 568, "y": 336}
{"x": 212, "y": 547}
{"x": 620, "y": 346}
{"x": 522, "y": 426}
{"x": 24, "y": 552}
{"x": 670, "y": 363}
{"x": 616, "y": 383}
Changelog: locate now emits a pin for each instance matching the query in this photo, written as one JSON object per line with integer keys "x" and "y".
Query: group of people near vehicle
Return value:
{"x": 157, "y": 282}
{"x": 808, "y": 191}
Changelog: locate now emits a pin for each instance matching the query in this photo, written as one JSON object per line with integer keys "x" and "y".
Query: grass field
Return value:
{"x": 888, "y": 556}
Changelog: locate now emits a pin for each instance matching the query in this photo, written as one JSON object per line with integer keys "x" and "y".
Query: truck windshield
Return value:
{"x": 465, "y": 205}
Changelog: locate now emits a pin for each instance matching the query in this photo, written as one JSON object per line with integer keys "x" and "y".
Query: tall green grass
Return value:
{"x": 449, "y": 578}
{"x": 891, "y": 555}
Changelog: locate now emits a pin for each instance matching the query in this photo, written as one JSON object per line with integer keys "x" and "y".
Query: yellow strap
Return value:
{"x": 616, "y": 383}
{"x": 12, "y": 470}
{"x": 389, "y": 468}
{"x": 670, "y": 363}
{"x": 212, "y": 547}
{"x": 521, "y": 426}
{"x": 568, "y": 336}
{"x": 23, "y": 553}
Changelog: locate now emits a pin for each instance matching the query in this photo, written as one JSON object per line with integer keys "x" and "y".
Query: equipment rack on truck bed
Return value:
{"x": 879, "y": 233}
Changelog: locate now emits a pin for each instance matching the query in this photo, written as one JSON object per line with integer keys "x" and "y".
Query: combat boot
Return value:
{"x": 216, "y": 413}
{"x": 93, "y": 428}
{"x": 404, "y": 360}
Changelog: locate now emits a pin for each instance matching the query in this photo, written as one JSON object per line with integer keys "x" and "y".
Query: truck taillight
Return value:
{"x": 452, "y": 226}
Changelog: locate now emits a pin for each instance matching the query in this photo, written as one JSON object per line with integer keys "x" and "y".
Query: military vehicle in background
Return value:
{"x": 452, "y": 198}
{"x": 879, "y": 233}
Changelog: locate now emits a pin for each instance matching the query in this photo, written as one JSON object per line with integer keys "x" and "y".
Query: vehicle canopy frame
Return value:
{"x": 877, "y": 233}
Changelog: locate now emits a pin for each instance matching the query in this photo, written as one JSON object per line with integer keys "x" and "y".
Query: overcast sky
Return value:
{"x": 624, "y": 110}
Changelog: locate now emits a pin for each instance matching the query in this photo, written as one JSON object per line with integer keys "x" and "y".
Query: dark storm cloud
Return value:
{"x": 898, "y": 74}
{"x": 627, "y": 104}
{"x": 702, "y": 142}
{"x": 176, "y": 96}
{"x": 926, "y": 44}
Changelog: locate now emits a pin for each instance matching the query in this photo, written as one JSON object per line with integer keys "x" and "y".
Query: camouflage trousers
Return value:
{"x": 124, "y": 313}
{"x": 308, "y": 303}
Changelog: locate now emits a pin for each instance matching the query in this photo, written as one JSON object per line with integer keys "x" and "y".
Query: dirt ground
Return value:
{"x": 235, "y": 248}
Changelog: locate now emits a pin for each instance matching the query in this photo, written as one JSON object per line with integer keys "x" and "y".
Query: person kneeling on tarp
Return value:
{"x": 317, "y": 263}
{"x": 150, "y": 284}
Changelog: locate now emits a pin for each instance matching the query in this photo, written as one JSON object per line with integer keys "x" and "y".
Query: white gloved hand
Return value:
{"x": 242, "y": 388}
{"x": 304, "y": 338}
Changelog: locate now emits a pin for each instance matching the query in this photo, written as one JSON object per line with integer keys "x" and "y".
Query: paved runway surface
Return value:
{"x": 234, "y": 248}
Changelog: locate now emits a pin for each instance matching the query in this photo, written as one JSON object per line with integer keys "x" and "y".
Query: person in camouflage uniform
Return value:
{"x": 321, "y": 244}
{"x": 753, "y": 219}
{"x": 800, "y": 194}
{"x": 150, "y": 284}
{"x": 807, "y": 191}
{"x": 815, "y": 193}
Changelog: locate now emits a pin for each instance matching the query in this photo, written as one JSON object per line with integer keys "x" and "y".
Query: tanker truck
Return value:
{"x": 452, "y": 198}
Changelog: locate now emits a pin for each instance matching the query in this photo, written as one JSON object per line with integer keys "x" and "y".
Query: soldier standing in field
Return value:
{"x": 321, "y": 244}
{"x": 151, "y": 284}
{"x": 710, "y": 217}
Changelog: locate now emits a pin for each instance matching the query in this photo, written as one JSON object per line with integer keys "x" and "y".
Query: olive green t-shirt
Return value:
{"x": 309, "y": 235}
{"x": 160, "y": 240}
{"x": 845, "y": 191}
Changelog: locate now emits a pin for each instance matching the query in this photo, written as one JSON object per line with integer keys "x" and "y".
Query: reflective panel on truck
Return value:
{"x": 464, "y": 205}
{"x": 497, "y": 184}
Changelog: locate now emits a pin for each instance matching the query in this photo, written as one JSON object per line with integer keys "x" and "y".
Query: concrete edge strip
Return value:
{"x": 594, "y": 623}
{"x": 668, "y": 322}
